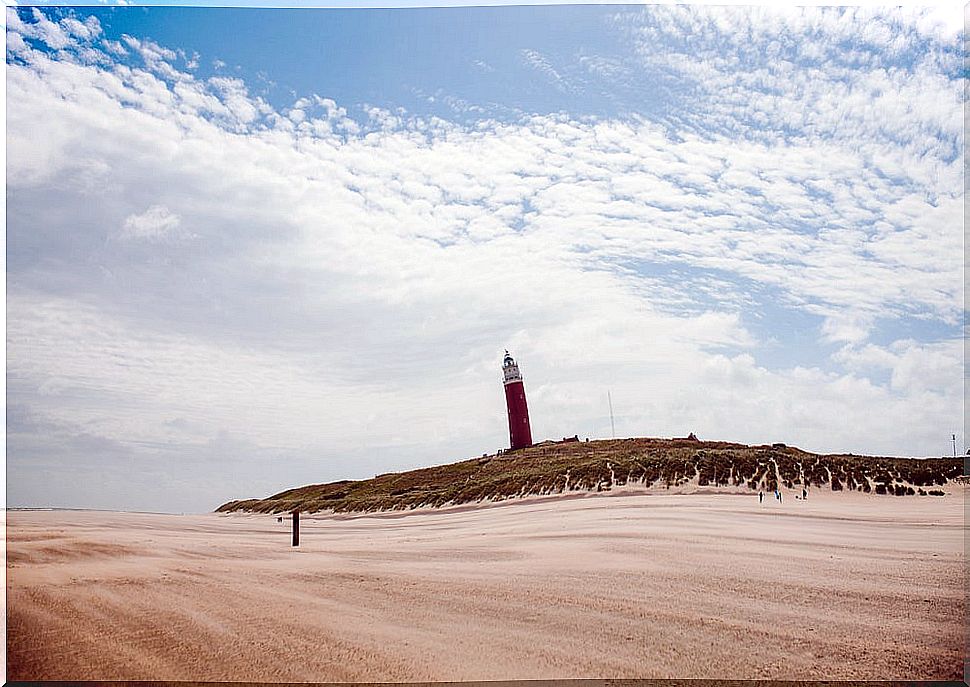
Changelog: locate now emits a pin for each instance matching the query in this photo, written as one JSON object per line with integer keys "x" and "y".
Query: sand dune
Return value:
{"x": 703, "y": 586}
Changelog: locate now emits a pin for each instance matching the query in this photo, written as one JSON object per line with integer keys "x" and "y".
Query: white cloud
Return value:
{"x": 846, "y": 328}
{"x": 542, "y": 65}
{"x": 157, "y": 223}
{"x": 914, "y": 368}
{"x": 352, "y": 285}
{"x": 595, "y": 203}
{"x": 114, "y": 47}
{"x": 87, "y": 30}
{"x": 483, "y": 66}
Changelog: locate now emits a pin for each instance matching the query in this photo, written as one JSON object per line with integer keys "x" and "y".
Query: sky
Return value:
{"x": 249, "y": 249}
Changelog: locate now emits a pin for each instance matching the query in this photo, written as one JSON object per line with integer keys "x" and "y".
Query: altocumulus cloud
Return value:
{"x": 155, "y": 224}
{"x": 350, "y": 282}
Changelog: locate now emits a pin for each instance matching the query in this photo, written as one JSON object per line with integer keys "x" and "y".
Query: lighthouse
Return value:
{"x": 520, "y": 434}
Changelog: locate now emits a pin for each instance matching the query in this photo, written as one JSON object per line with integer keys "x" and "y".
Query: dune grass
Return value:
{"x": 558, "y": 467}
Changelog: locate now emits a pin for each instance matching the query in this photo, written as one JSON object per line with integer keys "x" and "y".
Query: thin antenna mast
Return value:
{"x": 954, "y": 445}
{"x": 612, "y": 426}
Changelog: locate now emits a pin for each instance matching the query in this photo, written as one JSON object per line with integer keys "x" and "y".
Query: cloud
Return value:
{"x": 114, "y": 47}
{"x": 483, "y": 66}
{"x": 157, "y": 223}
{"x": 849, "y": 328}
{"x": 87, "y": 30}
{"x": 350, "y": 283}
{"x": 51, "y": 33}
{"x": 543, "y": 66}
{"x": 915, "y": 368}
{"x": 836, "y": 73}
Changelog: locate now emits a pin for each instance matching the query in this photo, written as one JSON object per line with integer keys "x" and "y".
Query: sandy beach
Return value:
{"x": 842, "y": 586}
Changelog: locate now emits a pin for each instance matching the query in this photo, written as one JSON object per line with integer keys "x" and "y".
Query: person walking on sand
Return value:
{"x": 804, "y": 493}
{"x": 779, "y": 496}
{"x": 761, "y": 497}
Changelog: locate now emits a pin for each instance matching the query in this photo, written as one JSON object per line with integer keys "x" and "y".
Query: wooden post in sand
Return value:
{"x": 296, "y": 528}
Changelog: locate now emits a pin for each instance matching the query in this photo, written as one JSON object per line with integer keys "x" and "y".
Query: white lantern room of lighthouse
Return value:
{"x": 510, "y": 370}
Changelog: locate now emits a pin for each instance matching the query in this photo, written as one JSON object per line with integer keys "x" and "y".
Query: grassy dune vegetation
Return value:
{"x": 559, "y": 467}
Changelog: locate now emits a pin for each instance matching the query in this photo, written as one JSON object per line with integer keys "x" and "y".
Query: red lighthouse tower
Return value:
{"x": 520, "y": 434}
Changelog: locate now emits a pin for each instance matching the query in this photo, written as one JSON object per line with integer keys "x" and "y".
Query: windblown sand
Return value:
{"x": 698, "y": 586}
